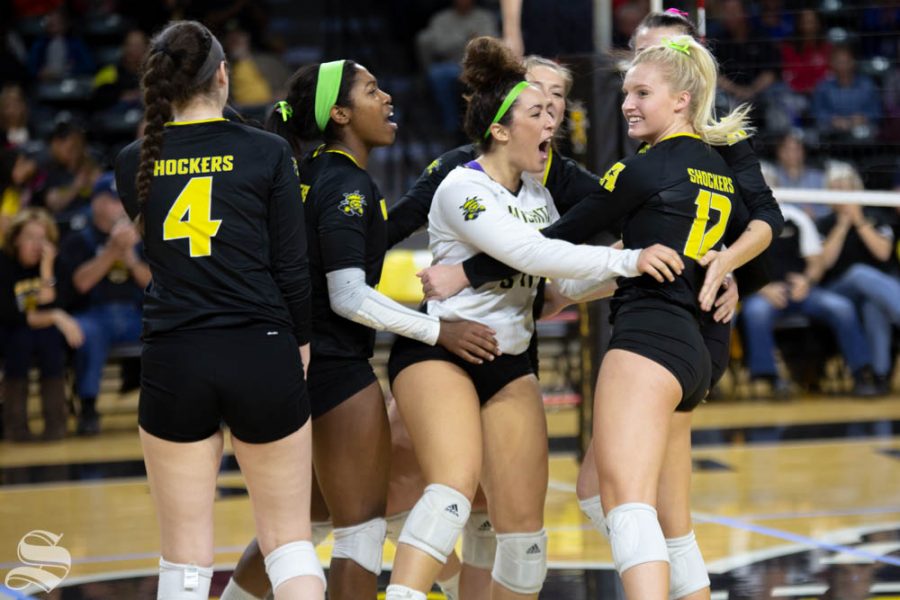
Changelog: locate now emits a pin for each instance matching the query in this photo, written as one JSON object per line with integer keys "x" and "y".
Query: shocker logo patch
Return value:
{"x": 471, "y": 208}
{"x": 435, "y": 164}
{"x": 353, "y": 204}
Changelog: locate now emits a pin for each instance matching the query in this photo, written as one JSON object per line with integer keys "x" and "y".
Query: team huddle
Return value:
{"x": 266, "y": 249}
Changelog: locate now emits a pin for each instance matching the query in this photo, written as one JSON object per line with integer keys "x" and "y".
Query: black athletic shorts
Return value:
{"x": 717, "y": 337}
{"x": 250, "y": 378}
{"x": 670, "y": 336}
{"x": 333, "y": 380}
{"x": 488, "y": 378}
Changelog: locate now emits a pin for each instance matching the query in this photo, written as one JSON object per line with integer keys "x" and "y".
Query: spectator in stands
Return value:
{"x": 772, "y": 21}
{"x": 119, "y": 85}
{"x": 749, "y": 65}
{"x": 58, "y": 53}
{"x": 71, "y": 172}
{"x": 804, "y": 58}
{"x": 13, "y": 116}
{"x": 17, "y": 171}
{"x": 440, "y": 48}
{"x": 795, "y": 263}
{"x": 847, "y": 102}
{"x": 257, "y": 78}
{"x": 792, "y": 171}
{"x": 890, "y": 123}
{"x": 103, "y": 266}
{"x": 31, "y": 325}
{"x": 858, "y": 248}
{"x": 626, "y": 18}
{"x": 879, "y": 23}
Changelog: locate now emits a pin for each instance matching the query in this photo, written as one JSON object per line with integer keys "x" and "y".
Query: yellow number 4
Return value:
{"x": 700, "y": 240}
{"x": 189, "y": 217}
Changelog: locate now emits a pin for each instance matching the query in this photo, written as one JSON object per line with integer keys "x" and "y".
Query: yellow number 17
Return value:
{"x": 700, "y": 240}
{"x": 189, "y": 217}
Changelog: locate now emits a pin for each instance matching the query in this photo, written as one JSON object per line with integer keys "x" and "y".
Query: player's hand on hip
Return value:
{"x": 440, "y": 282}
{"x": 473, "y": 342}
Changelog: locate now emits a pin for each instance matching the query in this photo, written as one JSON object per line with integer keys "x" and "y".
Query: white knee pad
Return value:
{"x": 436, "y": 520}
{"x": 183, "y": 582}
{"x": 395, "y": 525}
{"x": 295, "y": 559}
{"x": 594, "y": 511}
{"x": 401, "y": 592}
{"x": 320, "y": 531}
{"x": 687, "y": 571}
{"x": 361, "y": 543}
{"x": 450, "y": 587}
{"x": 635, "y": 536}
{"x": 479, "y": 544}
{"x": 521, "y": 562}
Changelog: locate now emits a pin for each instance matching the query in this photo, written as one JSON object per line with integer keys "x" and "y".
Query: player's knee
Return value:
{"x": 635, "y": 536}
{"x": 361, "y": 543}
{"x": 183, "y": 582}
{"x": 435, "y": 522}
{"x": 687, "y": 571}
{"x": 479, "y": 544}
{"x": 295, "y": 559}
{"x": 593, "y": 509}
{"x": 521, "y": 561}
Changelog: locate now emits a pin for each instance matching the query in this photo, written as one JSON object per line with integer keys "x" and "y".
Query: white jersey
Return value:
{"x": 471, "y": 213}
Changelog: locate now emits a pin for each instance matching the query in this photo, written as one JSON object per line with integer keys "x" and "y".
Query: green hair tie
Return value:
{"x": 507, "y": 102}
{"x": 684, "y": 48}
{"x": 285, "y": 109}
{"x": 327, "y": 88}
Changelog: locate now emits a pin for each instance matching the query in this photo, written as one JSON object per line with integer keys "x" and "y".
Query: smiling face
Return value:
{"x": 370, "y": 112}
{"x": 650, "y": 106}
{"x": 554, "y": 85}
{"x": 530, "y": 131}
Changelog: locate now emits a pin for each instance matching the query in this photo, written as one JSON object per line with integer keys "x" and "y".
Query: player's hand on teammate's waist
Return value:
{"x": 470, "y": 341}
{"x": 660, "y": 262}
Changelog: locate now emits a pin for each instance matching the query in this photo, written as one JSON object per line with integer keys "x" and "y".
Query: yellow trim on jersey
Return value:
{"x": 318, "y": 151}
{"x": 384, "y": 211}
{"x": 197, "y": 122}
{"x": 547, "y": 167}
{"x": 683, "y": 134}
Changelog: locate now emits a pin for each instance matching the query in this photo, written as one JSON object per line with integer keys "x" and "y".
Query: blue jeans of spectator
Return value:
{"x": 444, "y": 80}
{"x": 103, "y": 325}
{"x": 877, "y": 295}
{"x": 836, "y": 311}
{"x": 24, "y": 344}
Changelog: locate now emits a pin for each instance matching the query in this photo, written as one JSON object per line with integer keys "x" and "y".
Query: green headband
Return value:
{"x": 507, "y": 102}
{"x": 327, "y": 88}
{"x": 284, "y": 109}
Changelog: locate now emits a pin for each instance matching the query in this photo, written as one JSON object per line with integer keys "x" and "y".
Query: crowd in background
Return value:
{"x": 823, "y": 77}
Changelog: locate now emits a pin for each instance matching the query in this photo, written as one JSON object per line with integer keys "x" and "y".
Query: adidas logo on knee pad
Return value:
{"x": 453, "y": 509}
{"x": 535, "y": 549}
{"x": 485, "y": 526}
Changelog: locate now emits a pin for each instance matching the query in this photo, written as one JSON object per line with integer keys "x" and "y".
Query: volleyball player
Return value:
{"x": 458, "y": 414}
{"x": 340, "y": 104}
{"x": 226, "y": 318}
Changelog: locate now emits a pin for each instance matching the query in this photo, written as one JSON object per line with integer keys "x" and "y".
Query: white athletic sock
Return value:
{"x": 233, "y": 591}
{"x": 401, "y": 592}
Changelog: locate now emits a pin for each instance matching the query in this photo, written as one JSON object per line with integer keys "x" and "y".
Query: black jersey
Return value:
{"x": 223, "y": 230}
{"x": 678, "y": 193}
{"x": 346, "y": 222}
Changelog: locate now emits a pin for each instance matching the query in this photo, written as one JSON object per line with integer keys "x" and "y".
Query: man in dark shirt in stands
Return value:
{"x": 105, "y": 276}
{"x": 749, "y": 65}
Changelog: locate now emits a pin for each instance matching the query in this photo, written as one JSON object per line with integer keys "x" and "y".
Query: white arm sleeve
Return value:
{"x": 352, "y": 299}
{"x": 494, "y": 231}
{"x": 579, "y": 290}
